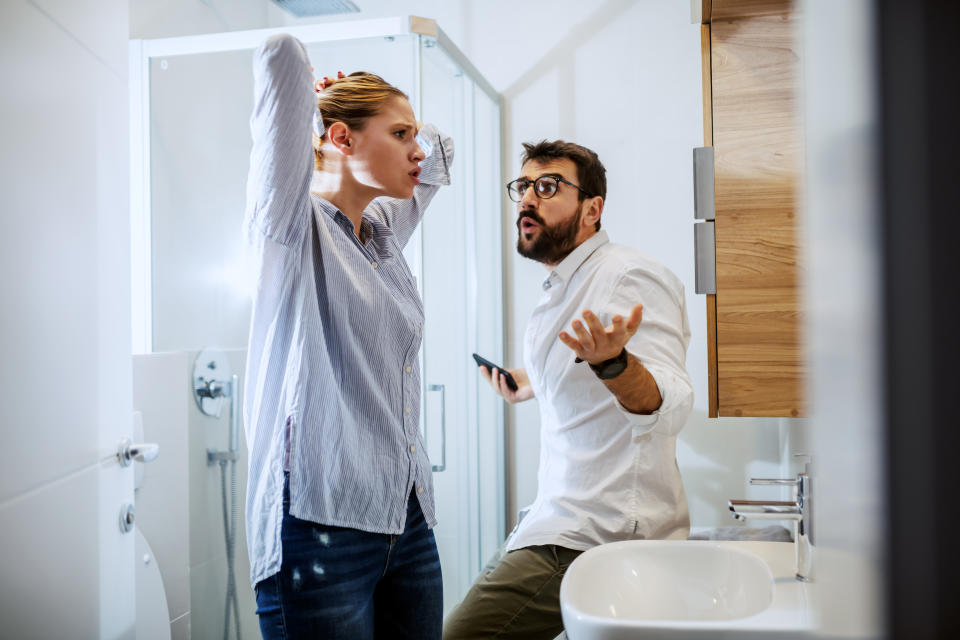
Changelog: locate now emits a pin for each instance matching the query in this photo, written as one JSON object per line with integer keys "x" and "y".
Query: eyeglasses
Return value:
{"x": 544, "y": 187}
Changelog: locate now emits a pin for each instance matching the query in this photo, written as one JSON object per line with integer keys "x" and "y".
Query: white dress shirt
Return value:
{"x": 607, "y": 474}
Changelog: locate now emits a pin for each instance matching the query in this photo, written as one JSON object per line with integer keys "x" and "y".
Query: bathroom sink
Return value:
{"x": 685, "y": 588}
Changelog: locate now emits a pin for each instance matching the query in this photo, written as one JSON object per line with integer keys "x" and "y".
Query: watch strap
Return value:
{"x": 610, "y": 368}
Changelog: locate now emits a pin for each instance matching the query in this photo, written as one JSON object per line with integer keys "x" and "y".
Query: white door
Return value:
{"x": 67, "y": 569}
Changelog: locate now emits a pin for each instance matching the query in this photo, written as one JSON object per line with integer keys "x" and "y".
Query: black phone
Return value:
{"x": 483, "y": 362}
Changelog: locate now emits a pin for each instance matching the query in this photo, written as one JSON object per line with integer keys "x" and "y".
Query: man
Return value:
{"x": 613, "y": 394}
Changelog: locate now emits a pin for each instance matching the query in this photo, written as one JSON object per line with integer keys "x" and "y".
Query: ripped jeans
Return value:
{"x": 336, "y": 582}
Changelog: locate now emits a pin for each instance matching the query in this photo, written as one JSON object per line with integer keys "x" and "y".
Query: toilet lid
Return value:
{"x": 153, "y": 617}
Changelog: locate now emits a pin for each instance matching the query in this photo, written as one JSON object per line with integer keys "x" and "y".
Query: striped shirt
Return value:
{"x": 333, "y": 379}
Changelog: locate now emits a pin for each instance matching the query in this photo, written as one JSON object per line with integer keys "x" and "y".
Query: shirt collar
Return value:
{"x": 371, "y": 229}
{"x": 569, "y": 265}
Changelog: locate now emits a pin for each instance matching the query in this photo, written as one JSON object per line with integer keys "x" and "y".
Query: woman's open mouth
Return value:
{"x": 415, "y": 175}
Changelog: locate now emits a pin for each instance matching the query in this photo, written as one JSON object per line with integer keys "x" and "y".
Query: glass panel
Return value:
{"x": 488, "y": 199}
{"x": 199, "y": 156}
{"x": 447, "y": 301}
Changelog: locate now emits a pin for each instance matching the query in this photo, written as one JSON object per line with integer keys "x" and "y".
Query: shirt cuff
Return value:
{"x": 435, "y": 168}
{"x": 674, "y": 394}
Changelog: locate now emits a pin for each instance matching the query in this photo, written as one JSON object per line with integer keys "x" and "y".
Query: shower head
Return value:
{"x": 306, "y": 8}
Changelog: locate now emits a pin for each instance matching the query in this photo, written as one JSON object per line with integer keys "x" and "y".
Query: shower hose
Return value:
{"x": 230, "y": 534}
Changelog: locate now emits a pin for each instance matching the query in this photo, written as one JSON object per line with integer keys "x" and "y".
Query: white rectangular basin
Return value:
{"x": 685, "y": 588}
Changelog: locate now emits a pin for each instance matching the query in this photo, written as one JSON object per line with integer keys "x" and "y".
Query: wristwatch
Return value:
{"x": 610, "y": 368}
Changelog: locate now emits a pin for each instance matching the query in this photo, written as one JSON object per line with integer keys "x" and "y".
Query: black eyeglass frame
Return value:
{"x": 557, "y": 179}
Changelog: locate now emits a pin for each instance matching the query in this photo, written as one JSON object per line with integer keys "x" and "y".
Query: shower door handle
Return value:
{"x": 443, "y": 425}
{"x": 127, "y": 452}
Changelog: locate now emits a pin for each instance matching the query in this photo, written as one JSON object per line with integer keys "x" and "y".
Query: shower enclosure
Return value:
{"x": 191, "y": 99}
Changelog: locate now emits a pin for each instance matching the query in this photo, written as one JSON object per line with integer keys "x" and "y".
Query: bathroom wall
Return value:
{"x": 67, "y": 569}
{"x": 165, "y": 18}
{"x": 623, "y": 78}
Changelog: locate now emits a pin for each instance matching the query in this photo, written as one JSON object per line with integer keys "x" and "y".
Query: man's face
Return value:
{"x": 548, "y": 228}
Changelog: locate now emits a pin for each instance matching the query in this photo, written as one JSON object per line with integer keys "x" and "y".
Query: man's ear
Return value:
{"x": 339, "y": 136}
{"x": 592, "y": 211}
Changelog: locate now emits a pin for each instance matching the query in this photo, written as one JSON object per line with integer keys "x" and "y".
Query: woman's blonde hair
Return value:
{"x": 352, "y": 101}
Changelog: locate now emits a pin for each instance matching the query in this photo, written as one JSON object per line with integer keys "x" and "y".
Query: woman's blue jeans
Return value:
{"x": 344, "y": 583}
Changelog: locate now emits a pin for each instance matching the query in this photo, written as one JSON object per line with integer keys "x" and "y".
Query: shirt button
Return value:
{"x": 419, "y": 489}
{"x": 374, "y": 265}
{"x": 408, "y": 369}
{"x": 406, "y": 410}
{"x": 413, "y": 449}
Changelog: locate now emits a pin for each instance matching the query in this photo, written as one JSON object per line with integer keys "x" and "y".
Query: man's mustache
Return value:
{"x": 533, "y": 215}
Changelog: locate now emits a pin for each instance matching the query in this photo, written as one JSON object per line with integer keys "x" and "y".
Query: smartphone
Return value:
{"x": 483, "y": 362}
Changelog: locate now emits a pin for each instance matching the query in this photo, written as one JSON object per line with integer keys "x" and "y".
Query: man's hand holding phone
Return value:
{"x": 513, "y": 385}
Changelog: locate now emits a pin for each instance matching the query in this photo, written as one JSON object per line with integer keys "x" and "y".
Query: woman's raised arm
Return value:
{"x": 402, "y": 216}
{"x": 281, "y": 161}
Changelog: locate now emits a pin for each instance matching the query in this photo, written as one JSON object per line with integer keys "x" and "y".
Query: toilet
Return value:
{"x": 153, "y": 617}
{"x": 153, "y": 614}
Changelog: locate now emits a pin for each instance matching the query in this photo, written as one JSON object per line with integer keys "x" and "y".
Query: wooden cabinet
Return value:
{"x": 750, "y": 89}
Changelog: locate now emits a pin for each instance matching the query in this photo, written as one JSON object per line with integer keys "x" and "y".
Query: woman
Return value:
{"x": 340, "y": 495}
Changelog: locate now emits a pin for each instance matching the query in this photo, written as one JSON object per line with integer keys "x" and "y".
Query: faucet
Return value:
{"x": 797, "y": 511}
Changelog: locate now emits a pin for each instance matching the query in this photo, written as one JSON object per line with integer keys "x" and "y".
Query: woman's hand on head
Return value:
{"x": 325, "y": 82}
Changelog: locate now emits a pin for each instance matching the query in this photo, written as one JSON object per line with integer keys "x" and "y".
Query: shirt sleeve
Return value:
{"x": 660, "y": 344}
{"x": 281, "y": 161}
{"x": 402, "y": 216}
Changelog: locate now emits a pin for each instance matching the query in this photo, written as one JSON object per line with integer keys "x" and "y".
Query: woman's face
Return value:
{"x": 387, "y": 156}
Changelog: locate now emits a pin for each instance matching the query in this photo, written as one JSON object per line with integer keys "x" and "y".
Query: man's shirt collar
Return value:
{"x": 562, "y": 273}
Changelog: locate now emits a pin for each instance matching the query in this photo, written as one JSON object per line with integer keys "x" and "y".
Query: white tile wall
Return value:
{"x": 49, "y": 543}
{"x": 101, "y": 29}
{"x": 48, "y": 251}
{"x": 65, "y": 333}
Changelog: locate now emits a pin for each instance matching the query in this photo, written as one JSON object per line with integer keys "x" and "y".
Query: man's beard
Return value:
{"x": 553, "y": 244}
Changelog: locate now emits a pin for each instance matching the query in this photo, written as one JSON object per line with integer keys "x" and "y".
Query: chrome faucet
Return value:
{"x": 797, "y": 511}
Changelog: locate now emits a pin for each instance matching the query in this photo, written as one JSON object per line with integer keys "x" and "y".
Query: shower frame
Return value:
{"x": 427, "y": 34}
{"x": 141, "y": 53}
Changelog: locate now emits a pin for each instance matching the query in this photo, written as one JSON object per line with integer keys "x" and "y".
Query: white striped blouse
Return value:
{"x": 332, "y": 380}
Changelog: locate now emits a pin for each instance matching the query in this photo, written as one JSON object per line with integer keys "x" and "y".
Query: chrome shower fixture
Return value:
{"x": 211, "y": 381}
{"x": 307, "y": 8}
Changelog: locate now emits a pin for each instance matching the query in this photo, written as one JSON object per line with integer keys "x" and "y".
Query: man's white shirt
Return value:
{"x": 607, "y": 474}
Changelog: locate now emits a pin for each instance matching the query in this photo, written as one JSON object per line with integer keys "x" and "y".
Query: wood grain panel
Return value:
{"x": 731, "y": 9}
{"x": 713, "y": 401}
{"x": 756, "y": 142}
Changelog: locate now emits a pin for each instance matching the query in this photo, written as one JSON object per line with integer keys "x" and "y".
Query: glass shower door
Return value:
{"x": 192, "y": 289}
{"x": 460, "y": 285}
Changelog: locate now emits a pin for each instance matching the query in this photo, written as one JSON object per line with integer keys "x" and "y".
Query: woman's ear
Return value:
{"x": 340, "y": 137}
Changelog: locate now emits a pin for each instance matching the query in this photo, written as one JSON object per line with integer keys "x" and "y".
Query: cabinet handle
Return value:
{"x": 705, "y": 258}
{"x": 703, "y": 204}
